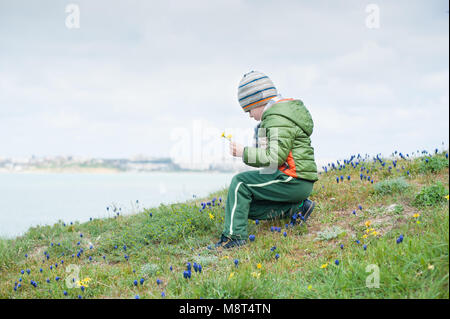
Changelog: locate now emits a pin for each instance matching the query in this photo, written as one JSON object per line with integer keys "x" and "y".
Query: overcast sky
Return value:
{"x": 137, "y": 73}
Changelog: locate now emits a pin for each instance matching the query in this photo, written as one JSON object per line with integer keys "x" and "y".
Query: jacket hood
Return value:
{"x": 294, "y": 111}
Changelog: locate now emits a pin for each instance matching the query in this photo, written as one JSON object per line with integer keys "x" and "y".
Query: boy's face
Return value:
{"x": 256, "y": 113}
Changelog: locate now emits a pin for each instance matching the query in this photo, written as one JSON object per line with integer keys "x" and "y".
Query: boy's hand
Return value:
{"x": 236, "y": 149}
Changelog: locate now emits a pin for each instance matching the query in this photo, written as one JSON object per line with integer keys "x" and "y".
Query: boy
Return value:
{"x": 288, "y": 158}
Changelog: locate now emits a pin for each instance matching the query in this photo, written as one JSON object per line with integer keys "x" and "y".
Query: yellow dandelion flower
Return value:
{"x": 324, "y": 266}
{"x": 374, "y": 233}
{"x": 309, "y": 287}
{"x": 416, "y": 215}
{"x": 223, "y": 134}
{"x": 259, "y": 266}
{"x": 364, "y": 236}
{"x": 211, "y": 216}
{"x": 231, "y": 276}
{"x": 367, "y": 230}
{"x": 225, "y": 257}
{"x": 446, "y": 196}
{"x": 367, "y": 223}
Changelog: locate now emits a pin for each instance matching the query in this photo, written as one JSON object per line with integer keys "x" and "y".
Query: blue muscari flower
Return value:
{"x": 82, "y": 288}
{"x": 365, "y": 247}
{"x": 199, "y": 268}
{"x": 286, "y": 226}
{"x": 135, "y": 282}
{"x": 115, "y": 246}
{"x": 59, "y": 244}
{"x": 141, "y": 281}
{"x": 124, "y": 247}
{"x": 126, "y": 257}
{"x": 400, "y": 239}
{"x": 256, "y": 222}
{"x": 446, "y": 155}
{"x": 186, "y": 274}
{"x": 251, "y": 237}
{"x": 26, "y": 255}
{"x": 284, "y": 234}
{"x": 236, "y": 262}
{"x": 279, "y": 229}
{"x": 48, "y": 280}
{"x": 342, "y": 178}
{"x": 360, "y": 207}
{"x": 41, "y": 270}
{"x": 342, "y": 246}
{"x": 136, "y": 297}
{"x": 163, "y": 294}
{"x": 336, "y": 262}
{"x": 20, "y": 279}
{"x": 90, "y": 218}
{"x": 170, "y": 268}
{"x": 28, "y": 271}
{"x": 348, "y": 177}
{"x": 104, "y": 257}
{"x": 188, "y": 266}
{"x": 354, "y": 212}
{"x": 272, "y": 228}
{"x": 80, "y": 297}
{"x": 73, "y": 255}
{"x": 358, "y": 242}
{"x": 90, "y": 247}
{"x": 195, "y": 267}
{"x": 90, "y": 258}
{"x": 81, "y": 235}
{"x": 57, "y": 278}
{"x": 56, "y": 265}
{"x": 277, "y": 256}
{"x": 51, "y": 267}
{"x": 273, "y": 248}
{"x": 51, "y": 244}
{"x": 134, "y": 271}
{"x": 78, "y": 243}
{"x": 158, "y": 282}
{"x": 65, "y": 293}
{"x": 426, "y": 160}
{"x": 22, "y": 271}
{"x": 337, "y": 180}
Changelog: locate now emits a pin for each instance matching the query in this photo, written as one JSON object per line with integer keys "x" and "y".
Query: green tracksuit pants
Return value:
{"x": 253, "y": 195}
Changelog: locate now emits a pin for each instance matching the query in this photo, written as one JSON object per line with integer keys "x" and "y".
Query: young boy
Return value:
{"x": 283, "y": 186}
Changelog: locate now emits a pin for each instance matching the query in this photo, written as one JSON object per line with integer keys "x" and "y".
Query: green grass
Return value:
{"x": 156, "y": 239}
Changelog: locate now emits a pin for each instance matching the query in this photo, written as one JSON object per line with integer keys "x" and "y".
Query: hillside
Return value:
{"x": 373, "y": 216}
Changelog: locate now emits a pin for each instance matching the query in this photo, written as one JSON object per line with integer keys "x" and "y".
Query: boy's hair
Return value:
{"x": 255, "y": 89}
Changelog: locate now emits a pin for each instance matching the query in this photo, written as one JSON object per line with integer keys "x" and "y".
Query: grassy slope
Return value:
{"x": 176, "y": 234}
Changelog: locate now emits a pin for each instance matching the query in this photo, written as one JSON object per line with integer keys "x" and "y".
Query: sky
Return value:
{"x": 160, "y": 78}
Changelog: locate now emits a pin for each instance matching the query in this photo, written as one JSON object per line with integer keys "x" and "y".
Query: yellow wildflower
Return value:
{"x": 364, "y": 236}
{"x": 309, "y": 287}
{"x": 324, "y": 266}
{"x": 416, "y": 215}
{"x": 367, "y": 223}
{"x": 231, "y": 276}
{"x": 374, "y": 233}
{"x": 225, "y": 257}
{"x": 447, "y": 197}
{"x": 223, "y": 134}
{"x": 418, "y": 222}
{"x": 211, "y": 216}
{"x": 367, "y": 230}
{"x": 256, "y": 274}
{"x": 229, "y": 136}
{"x": 258, "y": 266}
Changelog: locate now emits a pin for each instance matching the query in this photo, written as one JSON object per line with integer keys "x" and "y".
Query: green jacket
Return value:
{"x": 287, "y": 125}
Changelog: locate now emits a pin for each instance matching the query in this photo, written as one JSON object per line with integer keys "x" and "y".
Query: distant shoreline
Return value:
{"x": 103, "y": 170}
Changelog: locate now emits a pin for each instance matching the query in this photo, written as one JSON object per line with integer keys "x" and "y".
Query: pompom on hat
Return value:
{"x": 255, "y": 89}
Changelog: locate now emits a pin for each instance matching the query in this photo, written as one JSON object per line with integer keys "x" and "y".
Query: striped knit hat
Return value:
{"x": 255, "y": 89}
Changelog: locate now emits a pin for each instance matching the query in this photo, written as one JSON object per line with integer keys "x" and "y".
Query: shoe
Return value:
{"x": 307, "y": 208}
{"x": 227, "y": 243}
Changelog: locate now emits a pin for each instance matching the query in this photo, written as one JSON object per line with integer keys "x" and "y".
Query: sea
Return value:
{"x": 31, "y": 199}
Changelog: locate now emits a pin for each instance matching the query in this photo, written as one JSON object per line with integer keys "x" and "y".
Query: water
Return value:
{"x": 44, "y": 198}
